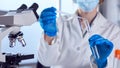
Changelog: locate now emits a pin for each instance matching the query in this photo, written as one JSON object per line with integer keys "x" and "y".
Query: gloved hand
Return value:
{"x": 48, "y": 21}
{"x": 104, "y": 48}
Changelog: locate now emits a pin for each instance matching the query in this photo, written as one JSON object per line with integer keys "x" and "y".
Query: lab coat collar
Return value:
{"x": 99, "y": 20}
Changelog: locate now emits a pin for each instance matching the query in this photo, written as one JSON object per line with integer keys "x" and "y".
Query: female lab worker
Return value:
{"x": 61, "y": 45}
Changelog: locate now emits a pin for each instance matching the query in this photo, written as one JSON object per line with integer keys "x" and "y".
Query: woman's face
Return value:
{"x": 87, "y": 5}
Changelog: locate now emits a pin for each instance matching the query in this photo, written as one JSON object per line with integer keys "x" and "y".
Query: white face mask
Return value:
{"x": 87, "y": 5}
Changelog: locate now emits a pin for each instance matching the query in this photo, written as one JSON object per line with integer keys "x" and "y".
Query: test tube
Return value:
{"x": 94, "y": 48}
{"x": 95, "y": 52}
{"x": 94, "y": 56}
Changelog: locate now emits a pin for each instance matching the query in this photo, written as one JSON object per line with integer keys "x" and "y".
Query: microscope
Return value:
{"x": 10, "y": 24}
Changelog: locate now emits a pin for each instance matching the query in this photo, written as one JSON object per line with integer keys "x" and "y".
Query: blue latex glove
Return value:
{"x": 104, "y": 48}
{"x": 48, "y": 21}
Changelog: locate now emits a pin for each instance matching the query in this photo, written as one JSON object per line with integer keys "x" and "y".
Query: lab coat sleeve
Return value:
{"x": 115, "y": 37}
{"x": 48, "y": 55}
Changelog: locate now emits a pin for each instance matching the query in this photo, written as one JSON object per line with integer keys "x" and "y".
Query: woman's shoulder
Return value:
{"x": 108, "y": 23}
{"x": 113, "y": 25}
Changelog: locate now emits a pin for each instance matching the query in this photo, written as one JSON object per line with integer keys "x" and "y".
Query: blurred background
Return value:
{"x": 110, "y": 9}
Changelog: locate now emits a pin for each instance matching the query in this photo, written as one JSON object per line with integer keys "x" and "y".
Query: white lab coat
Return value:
{"x": 69, "y": 50}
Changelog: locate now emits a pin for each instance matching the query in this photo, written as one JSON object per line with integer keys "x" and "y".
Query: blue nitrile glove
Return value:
{"x": 104, "y": 48}
{"x": 48, "y": 21}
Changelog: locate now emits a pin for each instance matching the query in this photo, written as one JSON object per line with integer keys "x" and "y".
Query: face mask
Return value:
{"x": 87, "y": 5}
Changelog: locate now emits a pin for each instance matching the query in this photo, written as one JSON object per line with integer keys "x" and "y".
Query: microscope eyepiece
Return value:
{"x": 22, "y": 7}
{"x": 34, "y": 7}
